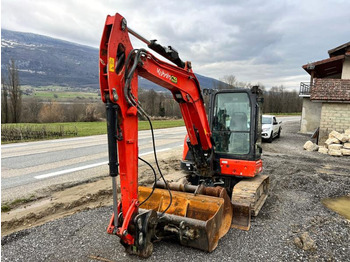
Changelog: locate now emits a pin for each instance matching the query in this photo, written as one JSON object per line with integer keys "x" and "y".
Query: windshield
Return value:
{"x": 231, "y": 123}
{"x": 266, "y": 120}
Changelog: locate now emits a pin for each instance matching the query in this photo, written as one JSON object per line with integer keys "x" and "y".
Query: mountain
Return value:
{"x": 43, "y": 60}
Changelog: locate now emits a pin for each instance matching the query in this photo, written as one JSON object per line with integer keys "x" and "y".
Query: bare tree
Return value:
{"x": 51, "y": 112}
{"x": 150, "y": 101}
{"x": 90, "y": 113}
{"x": 228, "y": 81}
{"x": 280, "y": 100}
{"x": 14, "y": 90}
{"x": 74, "y": 112}
{"x": 5, "y": 114}
{"x": 231, "y": 82}
{"x": 31, "y": 109}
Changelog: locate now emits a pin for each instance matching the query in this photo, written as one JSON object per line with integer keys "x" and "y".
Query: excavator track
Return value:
{"x": 248, "y": 196}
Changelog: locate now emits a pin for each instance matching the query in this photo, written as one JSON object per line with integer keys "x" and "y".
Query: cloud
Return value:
{"x": 256, "y": 41}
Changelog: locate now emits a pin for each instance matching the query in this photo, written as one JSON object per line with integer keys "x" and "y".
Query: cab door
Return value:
{"x": 234, "y": 118}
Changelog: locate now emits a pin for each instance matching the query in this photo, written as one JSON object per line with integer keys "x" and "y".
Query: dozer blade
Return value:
{"x": 197, "y": 221}
{"x": 248, "y": 196}
{"x": 241, "y": 215}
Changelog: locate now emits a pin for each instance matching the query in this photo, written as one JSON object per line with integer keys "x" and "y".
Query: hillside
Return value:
{"x": 46, "y": 61}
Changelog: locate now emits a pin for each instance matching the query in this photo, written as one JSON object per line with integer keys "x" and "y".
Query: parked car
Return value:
{"x": 271, "y": 128}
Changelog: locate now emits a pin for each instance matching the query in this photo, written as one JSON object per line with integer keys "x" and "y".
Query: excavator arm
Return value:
{"x": 182, "y": 82}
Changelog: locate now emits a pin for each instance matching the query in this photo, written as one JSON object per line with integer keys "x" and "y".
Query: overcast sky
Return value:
{"x": 256, "y": 41}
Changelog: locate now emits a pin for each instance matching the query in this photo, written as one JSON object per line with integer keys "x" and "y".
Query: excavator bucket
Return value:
{"x": 196, "y": 220}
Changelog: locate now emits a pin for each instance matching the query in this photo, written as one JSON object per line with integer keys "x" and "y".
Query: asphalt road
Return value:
{"x": 287, "y": 119}
{"x": 28, "y": 167}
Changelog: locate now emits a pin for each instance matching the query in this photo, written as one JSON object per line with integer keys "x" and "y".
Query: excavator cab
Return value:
{"x": 235, "y": 122}
{"x": 230, "y": 118}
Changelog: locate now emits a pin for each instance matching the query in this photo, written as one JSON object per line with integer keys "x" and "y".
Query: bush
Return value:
{"x": 51, "y": 112}
{"x": 10, "y": 133}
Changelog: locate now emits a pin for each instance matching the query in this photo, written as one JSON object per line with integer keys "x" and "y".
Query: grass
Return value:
{"x": 60, "y": 93}
{"x": 17, "y": 202}
{"x": 97, "y": 128}
{"x": 64, "y": 95}
{"x": 157, "y": 124}
{"x": 5, "y": 208}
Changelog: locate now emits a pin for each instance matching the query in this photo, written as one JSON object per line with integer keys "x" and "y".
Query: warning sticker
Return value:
{"x": 174, "y": 79}
{"x": 111, "y": 64}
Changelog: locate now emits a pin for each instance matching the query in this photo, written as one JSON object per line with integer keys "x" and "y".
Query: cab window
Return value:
{"x": 231, "y": 123}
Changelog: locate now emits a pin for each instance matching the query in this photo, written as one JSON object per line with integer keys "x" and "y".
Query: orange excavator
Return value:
{"x": 222, "y": 153}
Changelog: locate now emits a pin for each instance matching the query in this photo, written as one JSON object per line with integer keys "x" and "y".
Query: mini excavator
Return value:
{"x": 222, "y": 153}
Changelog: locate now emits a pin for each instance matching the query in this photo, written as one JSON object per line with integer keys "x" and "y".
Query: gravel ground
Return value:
{"x": 293, "y": 225}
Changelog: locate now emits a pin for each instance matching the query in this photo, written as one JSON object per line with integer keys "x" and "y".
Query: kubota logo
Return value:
{"x": 161, "y": 73}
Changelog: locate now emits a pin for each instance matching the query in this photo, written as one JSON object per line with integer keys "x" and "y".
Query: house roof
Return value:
{"x": 325, "y": 88}
{"x": 331, "y": 90}
{"x": 326, "y": 67}
{"x": 340, "y": 50}
{"x": 332, "y": 65}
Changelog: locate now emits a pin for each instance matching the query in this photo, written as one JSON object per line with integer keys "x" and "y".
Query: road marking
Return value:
{"x": 25, "y": 154}
{"x": 150, "y": 152}
{"x": 293, "y": 120}
{"x": 14, "y": 145}
{"x": 68, "y": 139}
{"x": 75, "y": 169}
{"x": 62, "y": 172}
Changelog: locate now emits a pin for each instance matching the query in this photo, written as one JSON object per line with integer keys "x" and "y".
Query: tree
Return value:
{"x": 230, "y": 80}
{"x": 74, "y": 112}
{"x": 149, "y": 100}
{"x": 14, "y": 90}
{"x": 90, "y": 113}
{"x": 5, "y": 114}
{"x": 51, "y": 112}
{"x": 31, "y": 109}
{"x": 280, "y": 100}
{"x": 161, "y": 110}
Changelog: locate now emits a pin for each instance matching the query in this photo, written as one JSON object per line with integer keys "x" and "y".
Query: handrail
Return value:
{"x": 305, "y": 89}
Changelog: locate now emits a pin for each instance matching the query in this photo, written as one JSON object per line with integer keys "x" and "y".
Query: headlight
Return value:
{"x": 265, "y": 129}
